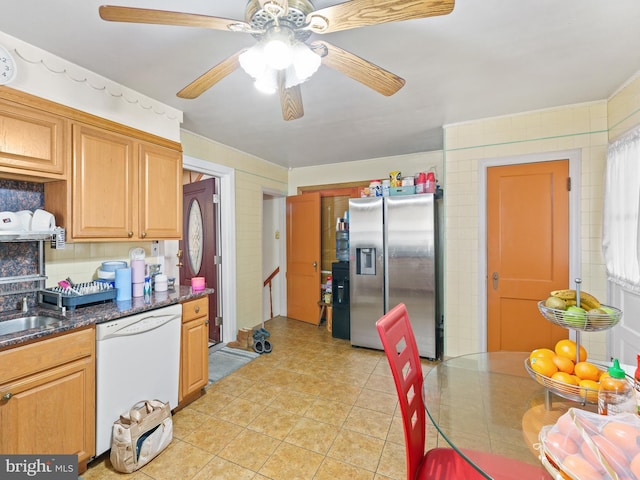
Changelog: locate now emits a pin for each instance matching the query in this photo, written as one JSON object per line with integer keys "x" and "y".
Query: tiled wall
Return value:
{"x": 582, "y": 127}
{"x": 18, "y": 258}
{"x": 78, "y": 261}
{"x": 253, "y": 177}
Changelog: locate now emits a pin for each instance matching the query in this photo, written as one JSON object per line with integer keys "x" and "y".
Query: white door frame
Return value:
{"x": 227, "y": 237}
{"x": 575, "y": 157}
{"x": 280, "y": 279}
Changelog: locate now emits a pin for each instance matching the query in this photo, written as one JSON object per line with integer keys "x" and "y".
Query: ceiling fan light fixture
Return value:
{"x": 278, "y": 53}
{"x": 267, "y": 82}
{"x": 305, "y": 61}
{"x": 253, "y": 61}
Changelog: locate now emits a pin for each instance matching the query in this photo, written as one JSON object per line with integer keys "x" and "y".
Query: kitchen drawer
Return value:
{"x": 39, "y": 356}
{"x": 195, "y": 309}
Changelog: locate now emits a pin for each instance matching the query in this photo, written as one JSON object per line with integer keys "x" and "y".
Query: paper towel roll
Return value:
{"x": 123, "y": 284}
{"x": 137, "y": 271}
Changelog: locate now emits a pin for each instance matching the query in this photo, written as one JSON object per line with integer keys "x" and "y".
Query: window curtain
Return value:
{"x": 621, "y": 206}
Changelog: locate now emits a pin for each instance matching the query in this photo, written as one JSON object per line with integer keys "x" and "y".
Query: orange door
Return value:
{"x": 527, "y": 252}
{"x": 303, "y": 257}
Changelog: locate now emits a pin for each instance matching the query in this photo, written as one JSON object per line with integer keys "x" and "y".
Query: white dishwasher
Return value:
{"x": 137, "y": 358}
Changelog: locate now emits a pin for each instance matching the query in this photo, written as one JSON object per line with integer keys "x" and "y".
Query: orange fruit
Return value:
{"x": 544, "y": 366}
{"x": 559, "y": 445}
{"x": 587, "y": 371}
{"x": 564, "y": 377}
{"x": 612, "y": 454}
{"x": 635, "y": 465}
{"x": 580, "y": 468}
{"x": 563, "y": 363}
{"x": 567, "y": 348}
{"x": 542, "y": 352}
{"x": 623, "y": 436}
{"x": 589, "y": 389}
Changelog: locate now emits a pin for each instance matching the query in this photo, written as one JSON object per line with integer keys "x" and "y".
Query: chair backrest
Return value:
{"x": 400, "y": 347}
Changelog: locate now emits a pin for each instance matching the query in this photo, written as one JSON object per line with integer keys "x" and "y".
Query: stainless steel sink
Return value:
{"x": 27, "y": 323}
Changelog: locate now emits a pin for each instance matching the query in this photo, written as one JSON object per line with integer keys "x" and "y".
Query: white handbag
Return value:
{"x": 140, "y": 435}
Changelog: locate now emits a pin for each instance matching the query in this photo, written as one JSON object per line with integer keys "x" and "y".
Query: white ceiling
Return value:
{"x": 487, "y": 58}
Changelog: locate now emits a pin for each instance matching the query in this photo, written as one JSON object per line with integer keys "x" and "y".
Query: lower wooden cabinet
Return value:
{"x": 194, "y": 354}
{"x": 47, "y": 397}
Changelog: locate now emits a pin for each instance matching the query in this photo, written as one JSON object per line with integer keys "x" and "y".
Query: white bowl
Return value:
{"x": 9, "y": 221}
{"x": 106, "y": 275}
{"x": 24, "y": 218}
{"x": 113, "y": 265}
{"x": 42, "y": 221}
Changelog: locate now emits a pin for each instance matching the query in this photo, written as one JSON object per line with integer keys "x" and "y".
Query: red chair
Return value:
{"x": 400, "y": 347}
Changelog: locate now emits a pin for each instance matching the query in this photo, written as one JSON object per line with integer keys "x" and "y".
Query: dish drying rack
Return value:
{"x": 81, "y": 294}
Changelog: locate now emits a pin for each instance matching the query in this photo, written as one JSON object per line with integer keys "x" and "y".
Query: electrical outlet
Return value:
{"x": 155, "y": 248}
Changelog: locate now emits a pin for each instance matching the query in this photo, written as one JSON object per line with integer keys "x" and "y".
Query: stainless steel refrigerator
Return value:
{"x": 393, "y": 260}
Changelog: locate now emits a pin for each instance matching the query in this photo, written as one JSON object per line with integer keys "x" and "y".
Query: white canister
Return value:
{"x": 386, "y": 184}
{"x": 160, "y": 283}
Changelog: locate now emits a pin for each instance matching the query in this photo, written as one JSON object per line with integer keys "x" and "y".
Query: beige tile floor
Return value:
{"x": 315, "y": 408}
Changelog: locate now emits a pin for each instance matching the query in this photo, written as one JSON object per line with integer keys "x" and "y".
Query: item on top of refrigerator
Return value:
{"x": 395, "y": 179}
{"x": 407, "y": 181}
{"x": 393, "y": 191}
{"x": 421, "y": 182}
{"x": 375, "y": 188}
{"x": 385, "y": 187}
{"x": 430, "y": 186}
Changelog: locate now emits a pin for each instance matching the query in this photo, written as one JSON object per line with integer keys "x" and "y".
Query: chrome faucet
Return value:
{"x": 25, "y": 306}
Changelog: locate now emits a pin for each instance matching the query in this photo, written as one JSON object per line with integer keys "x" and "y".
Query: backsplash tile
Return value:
{"x": 19, "y": 258}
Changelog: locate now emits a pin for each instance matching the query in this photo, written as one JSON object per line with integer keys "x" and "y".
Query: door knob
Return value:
{"x": 179, "y": 255}
{"x": 315, "y": 266}
{"x": 495, "y": 280}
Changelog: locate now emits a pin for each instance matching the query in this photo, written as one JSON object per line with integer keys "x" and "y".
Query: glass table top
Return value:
{"x": 487, "y": 402}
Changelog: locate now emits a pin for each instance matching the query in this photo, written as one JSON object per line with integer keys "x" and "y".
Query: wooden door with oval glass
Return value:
{"x": 198, "y": 249}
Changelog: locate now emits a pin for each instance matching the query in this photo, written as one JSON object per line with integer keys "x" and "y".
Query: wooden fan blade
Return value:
{"x": 211, "y": 77}
{"x": 361, "y": 70}
{"x": 361, "y": 13}
{"x": 162, "y": 17}
{"x": 290, "y": 100}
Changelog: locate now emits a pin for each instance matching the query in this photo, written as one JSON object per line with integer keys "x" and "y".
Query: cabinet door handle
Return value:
{"x": 130, "y": 234}
{"x": 206, "y": 322}
{"x": 197, "y": 309}
{"x": 143, "y": 234}
{"x": 7, "y": 396}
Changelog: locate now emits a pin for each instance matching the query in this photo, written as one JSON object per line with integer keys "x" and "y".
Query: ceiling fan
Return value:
{"x": 282, "y": 59}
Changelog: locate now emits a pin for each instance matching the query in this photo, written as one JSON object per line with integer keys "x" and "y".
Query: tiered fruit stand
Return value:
{"x": 593, "y": 322}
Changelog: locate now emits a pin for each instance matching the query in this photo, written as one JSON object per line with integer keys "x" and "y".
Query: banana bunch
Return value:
{"x": 587, "y": 301}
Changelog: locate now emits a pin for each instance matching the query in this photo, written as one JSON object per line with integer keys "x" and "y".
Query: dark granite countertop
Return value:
{"x": 93, "y": 314}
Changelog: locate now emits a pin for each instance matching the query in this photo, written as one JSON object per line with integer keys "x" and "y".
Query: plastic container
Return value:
{"x": 616, "y": 394}
{"x": 395, "y": 179}
{"x": 342, "y": 245}
{"x": 328, "y": 290}
{"x": 421, "y": 182}
{"x": 375, "y": 188}
{"x": 386, "y": 184}
{"x": 160, "y": 283}
{"x": 636, "y": 378}
{"x": 430, "y": 186}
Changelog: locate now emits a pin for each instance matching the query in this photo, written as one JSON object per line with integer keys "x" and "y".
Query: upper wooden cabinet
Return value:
{"x": 124, "y": 188}
{"x": 32, "y": 142}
